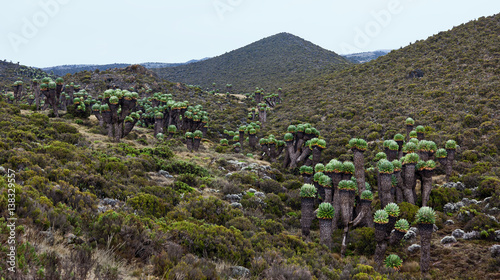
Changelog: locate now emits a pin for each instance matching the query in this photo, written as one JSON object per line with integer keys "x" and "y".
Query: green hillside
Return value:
{"x": 269, "y": 63}
{"x": 457, "y": 98}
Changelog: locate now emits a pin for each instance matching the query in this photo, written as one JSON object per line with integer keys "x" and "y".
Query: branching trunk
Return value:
{"x": 426, "y": 186}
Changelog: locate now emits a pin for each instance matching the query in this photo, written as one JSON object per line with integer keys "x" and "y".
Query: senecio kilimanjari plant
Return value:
{"x": 325, "y": 214}
{"x": 308, "y": 195}
{"x": 425, "y": 219}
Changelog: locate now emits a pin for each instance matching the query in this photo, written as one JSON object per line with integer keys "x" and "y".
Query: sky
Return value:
{"x": 44, "y": 33}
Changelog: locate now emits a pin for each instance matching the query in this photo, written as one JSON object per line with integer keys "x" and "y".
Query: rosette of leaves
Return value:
{"x": 198, "y": 134}
{"x": 423, "y": 146}
{"x": 307, "y": 131}
{"x": 76, "y": 101}
{"x": 347, "y": 185}
{"x": 411, "y": 158}
{"x": 308, "y": 190}
{"x": 189, "y": 135}
{"x": 420, "y": 129}
{"x": 336, "y": 166}
{"x": 325, "y": 211}
{"x": 385, "y": 166}
{"x": 402, "y": 225}
{"x": 410, "y": 147}
{"x": 236, "y": 138}
{"x": 159, "y": 136}
{"x": 329, "y": 168}
{"x": 291, "y": 129}
{"x": 451, "y": 145}
{"x": 237, "y": 144}
{"x": 359, "y": 144}
{"x": 393, "y": 261}
{"x": 317, "y": 175}
{"x": 59, "y": 81}
{"x": 367, "y": 186}
{"x": 105, "y": 108}
{"x": 414, "y": 141}
{"x": 306, "y": 170}
{"x": 288, "y": 137}
{"x": 393, "y": 146}
{"x": 381, "y": 217}
{"x": 172, "y": 129}
{"x": 319, "y": 167}
{"x": 158, "y": 115}
{"x": 301, "y": 128}
{"x": 410, "y": 121}
{"x": 399, "y": 137}
{"x": 321, "y": 143}
{"x": 114, "y": 100}
{"x": 224, "y": 142}
{"x": 386, "y": 144}
{"x": 431, "y": 147}
{"x": 325, "y": 181}
{"x": 425, "y": 215}
{"x": 392, "y": 209}
{"x": 231, "y": 134}
{"x": 413, "y": 134}
{"x": 430, "y": 165}
{"x": 441, "y": 153}
{"x": 242, "y": 128}
{"x": 366, "y": 195}
{"x": 96, "y": 107}
{"x": 420, "y": 165}
{"x": 380, "y": 155}
{"x": 263, "y": 141}
{"x": 252, "y": 131}
{"x": 348, "y": 167}
{"x": 397, "y": 165}
{"x": 52, "y": 85}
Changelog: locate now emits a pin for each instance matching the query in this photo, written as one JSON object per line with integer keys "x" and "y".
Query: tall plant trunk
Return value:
{"x": 346, "y": 205}
{"x": 423, "y": 155}
{"x": 36, "y": 92}
{"x": 380, "y": 239}
{"x": 336, "y": 178}
{"x": 400, "y": 150}
{"x": 399, "y": 187}
{"x": 409, "y": 128}
{"x": 272, "y": 152}
{"x": 325, "y": 232}
{"x": 118, "y": 131}
{"x": 307, "y": 215}
{"x": 425, "y": 231}
{"x": 189, "y": 144}
{"x": 409, "y": 183}
{"x": 292, "y": 155}
{"x": 385, "y": 189}
{"x": 449, "y": 163}
{"x": 392, "y": 155}
{"x": 242, "y": 138}
{"x": 252, "y": 140}
{"x": 426, "y": 186}
{"x": 196, "y": 144}
{"x": 364, "y": 215}
{"x": 420, "y": 136}
{"x": 316, "y": 155}
{"x": 328, "y": 194}
{"x": 307, "y": 178}
{"x": 359, "y": 170}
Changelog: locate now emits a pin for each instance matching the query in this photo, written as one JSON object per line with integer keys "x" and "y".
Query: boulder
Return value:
{"x": 458, "y": 233}
{"x": 495, "y": 251}
{"x": 414, "y": 248}
{"x": 448, "y": 239}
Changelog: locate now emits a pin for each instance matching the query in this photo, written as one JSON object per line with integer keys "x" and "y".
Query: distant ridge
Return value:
{"x": 267, "y": 63}
{"x": 62, "y": 70}
{"x": 365, "y": 56}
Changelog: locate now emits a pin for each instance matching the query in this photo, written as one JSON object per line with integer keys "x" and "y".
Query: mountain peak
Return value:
{"x": 276, "y": 59}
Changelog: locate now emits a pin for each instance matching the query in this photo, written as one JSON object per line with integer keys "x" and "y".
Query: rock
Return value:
{"x": 458, "y": 233}
{"x": 448, "y": 239}
{"x": 450, "y": 208}
{"x": 495, "y": 251}
{"x": 492, "y": 218}
{"x": 497, "y": 235}
{"x": 410, "y": 235}
{"x": 252, "y": 190}
{"x": 414, "y": 229}
{"x": 239, "y": 271}
{"x": 435, "y": 228}
{"x": 267, "y": 178}
{"x": 414, "y": 248}
{"x": 49, "y": 236}
{"x": 2, "y": 170}
{"x": 109, "y": 201}
{"x": 458, "y": 185}
{"x": 472, "y": 235}
{"x": 236, "y": 205}
{"x": 260, "y": 194}
{"x": 165, "y": 174}
{"x": 449, "y": 222}
{"x": 233, "y": 197}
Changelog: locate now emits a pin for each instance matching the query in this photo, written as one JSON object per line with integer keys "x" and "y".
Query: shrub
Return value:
{"x": 272, "y": 227}
{"x": 149, "y": 204}
{"x": 270, "y": 186}
{"x": 180, "y": 167}
{"x": 488, "y": 186}
{"x": 212, "y": 210}
{"x": 362, "y": 241}
{"x": 440, "y": 196}
{"x": 190, "y": 179}
{"x": 241, "y": 223}
{"x": 481, "y": 222}
{"x": 274, "y": 205}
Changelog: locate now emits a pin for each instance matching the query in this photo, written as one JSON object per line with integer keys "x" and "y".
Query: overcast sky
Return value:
{"x": 53, "y": 32}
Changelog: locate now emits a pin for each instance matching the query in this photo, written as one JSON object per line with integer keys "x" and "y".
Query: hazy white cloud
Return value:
{"x": 53, "y": 32}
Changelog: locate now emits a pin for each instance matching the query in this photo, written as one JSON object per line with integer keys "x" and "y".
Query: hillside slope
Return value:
{"x": 270, "y": 62}
{"x": 458, "y": 95}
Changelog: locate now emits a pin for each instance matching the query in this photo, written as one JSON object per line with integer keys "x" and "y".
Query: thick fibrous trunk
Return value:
{"x": 242, "y": 137}
{"x": 316, "y": 155}
{"x": 364, "y": 214}
{"x": 307, "y": 178}
{"x": 128, "y": 128}
{"x": 385, "y": 189}
{"x": 307, "y": 215}
{"x": 420, "y": 136}
{"x": 252, "y": 140}
{"x": 410, "y": 182}
{"x": 346, "y": 205}
{"x": 426, "y": 186}
{"x": 392, "y": 155}
{"x": 292, "y": 154}
{"x": 399, "y": 187}
{"x": 396, "y": 237}
{"x": 196, "y": 144}
{"x": 380, "y": 239}
{"x": 328, "y": 194}
{"x": 336, "y": 178}
{"x": 400, "y": 150}
{"x": 189, "y": 144}
{"x": 237, "y": 149}
{"x": 36, "y": 92}
{"x": 425, "y": 231}
{"x": 409, "y": 128}
{"x": 359, "y": 169}
{"x": 449, "y": 163}
{"x": 325, "y": 232}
